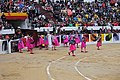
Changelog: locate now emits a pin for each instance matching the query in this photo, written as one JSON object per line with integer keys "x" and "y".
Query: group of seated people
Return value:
{"x": 76, "y": 13}
{"x": 66, "y": 13}
{"x": 30, "y": 7}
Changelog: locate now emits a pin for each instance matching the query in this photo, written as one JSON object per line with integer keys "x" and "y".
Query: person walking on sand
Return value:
{"x": 99, "y": 42}
{"x": 46, "y": 41}
{"x": 54, "y": 42}
{"x": 30, "y": 45}
{"x": 65, "y": 40}
{"x": 41, "y": 41}
{"x": 72, "y": 46}
{"x": 77, "y": 39}
{"x": 20, "y": 45}
{"x": 83, "y": 45}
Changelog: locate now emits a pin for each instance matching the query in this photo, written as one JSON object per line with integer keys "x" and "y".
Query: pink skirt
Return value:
{"x": 38, "y": 44}
{"x": 72, "y": 47}
{"x": 46, "y": 42}
{"x": 77, "y": 40}
{"x": 65, "y": 41}
{"x": 30, "y": 46}
{"x": 20, "y": 45}
{"x": 55, "y": 42}
{"x": 99, "y": 44}
{"x": 41, "y": 41}
{"x": 83, "y": 45}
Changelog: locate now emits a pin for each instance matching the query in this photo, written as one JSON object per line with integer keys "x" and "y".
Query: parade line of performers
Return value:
{"x": 69, "y": 40}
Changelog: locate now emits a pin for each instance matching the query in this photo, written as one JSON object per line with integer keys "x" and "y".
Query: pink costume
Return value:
{"x": 72, "y": 45}
{"x": 77, "y": 40}
{"x": 83, "y": 44}
{"x": 55, "y": 41}
{"x": 41, "y": 40}
{"x": 20, "y": 44}
{"x": 65, "y": 37}
{"x": 30, "y": 43}
{"x": 99, "y": 42}
{"x": 70, "y": 37}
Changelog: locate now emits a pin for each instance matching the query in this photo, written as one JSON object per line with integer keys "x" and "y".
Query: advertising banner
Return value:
{"x": 116, "y": 37}
{"x": 108, "y": 37}
{"x": 93, "y": 37}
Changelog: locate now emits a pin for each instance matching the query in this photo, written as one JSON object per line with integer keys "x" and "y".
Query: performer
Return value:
{"x": 77, "y": 39}
{"x": 41, "y": 41}
{"x": 54, "y": 42}
{"x": 70, "y": 37}
{"x": 26, "y": 37}
{"x": 72, "y": 47}
{"x": 24, "y": 40}
{"x": 65, "y": 40}
{"x": 30, "y": 45}
{"x": 83, "y": 45}
{"x": 46, "y": 41}
{"x": 20, "y": 45}
{"x": 99, "y": 42}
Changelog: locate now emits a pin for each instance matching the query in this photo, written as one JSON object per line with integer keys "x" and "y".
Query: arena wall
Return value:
{"x": 90, "y": 38}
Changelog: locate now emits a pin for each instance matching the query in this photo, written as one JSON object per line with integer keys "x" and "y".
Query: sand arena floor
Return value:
{"x": 57, "y": 65}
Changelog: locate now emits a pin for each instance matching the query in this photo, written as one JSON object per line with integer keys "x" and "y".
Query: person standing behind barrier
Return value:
{"x": 83, "y": 45}
{"x": 99, "y": 42}
{"x": 30, "y": 45}
{"x": 20, "y": 45}
{"x": 54, "y": 42}
{"x": 72, "y": 47}
{"x": 7, "y": 38}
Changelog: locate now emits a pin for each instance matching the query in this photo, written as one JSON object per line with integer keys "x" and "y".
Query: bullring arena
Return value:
{"x": 33, "y": 32}
{"x": 101, "y": 64}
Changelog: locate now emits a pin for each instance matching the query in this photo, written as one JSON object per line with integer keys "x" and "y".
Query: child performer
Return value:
{"x": 99, "y": 42}
{"x": 77, "y": 39}
{"x": 54, "y": 42}
{"x": 41, "y": 41}
{"x": 20, "y": 45}
{"x": 72, "y": 46}
{"x": 65, "y": 40}
{"x": 46, "y": 41}
{"x": 70, "y": 37}
{"x": 27, "y": 43}
{"x": 30, "y": 45}
{"x": 83, "y": 45}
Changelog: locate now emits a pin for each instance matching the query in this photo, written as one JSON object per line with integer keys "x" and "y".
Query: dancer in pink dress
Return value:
{"x": 54, "y": 42}
{"x": 65, "y": 40}
{"x": 72, "y": 46}
{"x": 77, "y": 39}
{"x": 30, "y": 43}
{"x": 41, "y": 41}
{"x": 20, "y": 45}
{"x": 99, "y": 42}
{"x": 26, "y": 37}
{"x": 70, "y": 37}
{"x": 83, "y": 45}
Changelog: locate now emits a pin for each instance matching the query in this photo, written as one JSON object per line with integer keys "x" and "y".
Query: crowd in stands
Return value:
{"x": 69, "y": 13}
{"x": 30, "y": 7}
{"x": 76, "y": 13}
